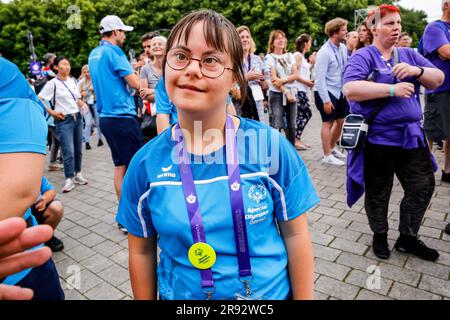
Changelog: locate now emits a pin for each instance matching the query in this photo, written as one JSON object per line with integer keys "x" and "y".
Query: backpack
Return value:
{"x": 420, "y": 47}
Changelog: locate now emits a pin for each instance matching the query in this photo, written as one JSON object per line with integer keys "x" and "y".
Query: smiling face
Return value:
{"x": 245, "y": 40}
{"x": 189, "y": 89}
{"x": 157, "y": 47}
{"x": 388, "y": 29}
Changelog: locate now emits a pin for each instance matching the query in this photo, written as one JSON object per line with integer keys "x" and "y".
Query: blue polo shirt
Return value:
{"x": 276, "y": 187}
{"x": 108, "y": 66}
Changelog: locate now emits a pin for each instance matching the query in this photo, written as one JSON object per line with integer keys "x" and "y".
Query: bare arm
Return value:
{"x": 300, "y": 257}
{"x": 133, "y": 81}
{"x": 142, "y": 260}
{"x": 162, "y": 122}
{"x": 20, "y": 180}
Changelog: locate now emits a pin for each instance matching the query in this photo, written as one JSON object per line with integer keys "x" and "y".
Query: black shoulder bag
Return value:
{"x": 355, "y": 128}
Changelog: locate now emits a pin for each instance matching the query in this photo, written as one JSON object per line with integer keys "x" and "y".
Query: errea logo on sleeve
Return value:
{"x": 166, "y": 173}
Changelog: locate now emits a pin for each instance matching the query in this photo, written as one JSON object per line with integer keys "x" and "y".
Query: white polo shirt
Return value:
{"x": 66, "y": 95}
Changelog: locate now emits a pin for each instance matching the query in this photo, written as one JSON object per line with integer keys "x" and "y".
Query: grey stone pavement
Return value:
{"x": 345, "y": 267}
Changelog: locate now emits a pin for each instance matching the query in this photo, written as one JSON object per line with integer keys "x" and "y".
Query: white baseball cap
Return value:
{"x": 111, "y": 23}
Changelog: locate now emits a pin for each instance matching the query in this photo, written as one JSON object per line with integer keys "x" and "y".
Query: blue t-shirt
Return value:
{"x": 163, "y": 104}
{"x": 22, "y": 125}
{"x": 436, "y": 35}
{"x": 274, "y": 188}
{"x": 46, "y": 185}
{"x": 108, "y": 66}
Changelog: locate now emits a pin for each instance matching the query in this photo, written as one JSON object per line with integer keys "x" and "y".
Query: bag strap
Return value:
{"x": 53, "y": 102}
{"x": 381, "y": 106}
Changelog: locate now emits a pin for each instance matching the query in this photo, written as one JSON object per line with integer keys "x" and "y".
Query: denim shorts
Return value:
{"x": 124, "y": 137}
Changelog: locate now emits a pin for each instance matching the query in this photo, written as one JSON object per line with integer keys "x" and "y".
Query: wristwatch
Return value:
{"x": 422, "y": 70}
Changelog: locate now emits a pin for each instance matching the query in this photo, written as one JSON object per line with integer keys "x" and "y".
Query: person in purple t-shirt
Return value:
{"x": 396, "y": 143}
{"x": 436, "y": 45}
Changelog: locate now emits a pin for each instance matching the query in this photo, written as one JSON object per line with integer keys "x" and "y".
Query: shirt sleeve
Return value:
{"x": 162, "y": 100}
{"x": 48, "y": 90}
{"x": 322, "y": 62}
{"x": 434, "y": 37}
{"x": 357, "y": 69}
{"x": 46, "y": 185}
{"x": 121, "y": 65}
{"x": 133, "y": 212}
{"x": 144, "y": 73}
{"x": 421, "y": 60}
{"x": 293, "y": 192}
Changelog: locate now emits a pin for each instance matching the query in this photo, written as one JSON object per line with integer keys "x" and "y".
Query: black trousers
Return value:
{"x": 413, "y": 169}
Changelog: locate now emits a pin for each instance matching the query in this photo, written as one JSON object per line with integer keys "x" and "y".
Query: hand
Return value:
{"x": 328, "y": 107}
{"x": 253, "y": 75}
{"x": 278, "y": 82}
{"x": 404, "y": 89}
{"x": 403, "y": 70}
{"x": 309, "y": 83}
{"x": 14, "y": 239}
{"x": 147, "y": 93}
{"x": 40, "y": 205}
{"x": 58, "y": 115}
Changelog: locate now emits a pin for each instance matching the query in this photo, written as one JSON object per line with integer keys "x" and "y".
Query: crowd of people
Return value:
{"x": 234, "y": 228}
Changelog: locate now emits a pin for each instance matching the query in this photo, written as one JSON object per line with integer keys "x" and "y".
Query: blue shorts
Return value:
{"x": 340, "y": 111}
{"x": 124, "y": 138}
{"x": 44, "y": 281}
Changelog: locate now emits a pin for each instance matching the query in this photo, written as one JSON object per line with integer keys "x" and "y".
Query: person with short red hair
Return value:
{"x": 382, "y": 84}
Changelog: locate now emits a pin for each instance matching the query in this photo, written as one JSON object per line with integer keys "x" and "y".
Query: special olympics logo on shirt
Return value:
{"x": 191, "y": 199}
{"x": 257, "y": 193}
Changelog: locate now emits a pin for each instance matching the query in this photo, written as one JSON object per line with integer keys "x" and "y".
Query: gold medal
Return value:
{"x": 202, "y": 255}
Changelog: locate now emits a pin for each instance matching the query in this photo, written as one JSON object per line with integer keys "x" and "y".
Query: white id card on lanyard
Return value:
{"x": 153, "y": 109}
{"x": 257, "y": 92}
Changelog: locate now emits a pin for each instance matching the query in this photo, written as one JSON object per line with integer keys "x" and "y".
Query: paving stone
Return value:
{"x": 121, "y": 258}
{"x": 326, "y": 253}
{"x": 428, "y": 267}
{"x": 435, "y": 285}
{"x": 88, "y": 280}
{"x": 344, "y": 233}
{"x": 97, "y": 263}
{"x": 320, "y": 238}
{"x": 88, "y": 222}
{"x": 91, "y": 240}
{"x": 369, "y": 295}
{"x": 80, "y": 252}
{"x": 402, "y": 275}
{"x": 335, "y": 221}
{"x": 327, "y": 211}
{"x": 126, "y": 288}
{"x": 115, "y": 275}
{"x": 104, "y": 291}
{"x": 330, "y": 269}
{"x": 335, "y": 288}
{"x": 369, "y": 282}
{"x": 320, "y": 296}
{"x": 349, "y": 246}
{"x": 352, "y": 216}
{"x": 439, "y": 245}
{"x": 360, "y": 227}
{"x": 356, "y": 261}
{"x": 107, "y": 248}
{"x": 404, "y": 292}
{"x": 65, "y": 225}
{"x": 320, "y": 227}
{"x": 66, "y": 265}
{"x": 77, "y": 232}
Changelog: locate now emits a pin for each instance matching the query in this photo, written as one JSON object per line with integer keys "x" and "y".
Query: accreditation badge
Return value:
{"x": 202, "y": 255}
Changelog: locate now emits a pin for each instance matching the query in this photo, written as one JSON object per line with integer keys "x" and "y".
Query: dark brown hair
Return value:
{"x": 148, "y": 36}
{"x": 301, "y": 41}
{"x": 360, "y": 45}
{"x": 219, "y": 33}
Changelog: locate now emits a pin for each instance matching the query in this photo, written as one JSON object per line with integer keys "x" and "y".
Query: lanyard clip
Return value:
{"x": 246, "y": 281}
{"x": 209, "y": 292}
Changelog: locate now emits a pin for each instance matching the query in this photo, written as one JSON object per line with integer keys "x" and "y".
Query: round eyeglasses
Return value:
{"x": 210, "y": 66}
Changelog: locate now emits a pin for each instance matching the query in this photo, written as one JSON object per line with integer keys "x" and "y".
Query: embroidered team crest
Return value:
{"x": 191, "y": 199}
{"x": 235, "y": 186}
{"x": 257, "y": 193}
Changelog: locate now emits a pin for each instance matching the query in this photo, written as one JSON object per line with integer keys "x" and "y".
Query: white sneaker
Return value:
{"x": 338, "y": 154}
{"x": 68, "y": 186}
{"x": 79, "y": 179}
{"x": 332, "y": 160}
